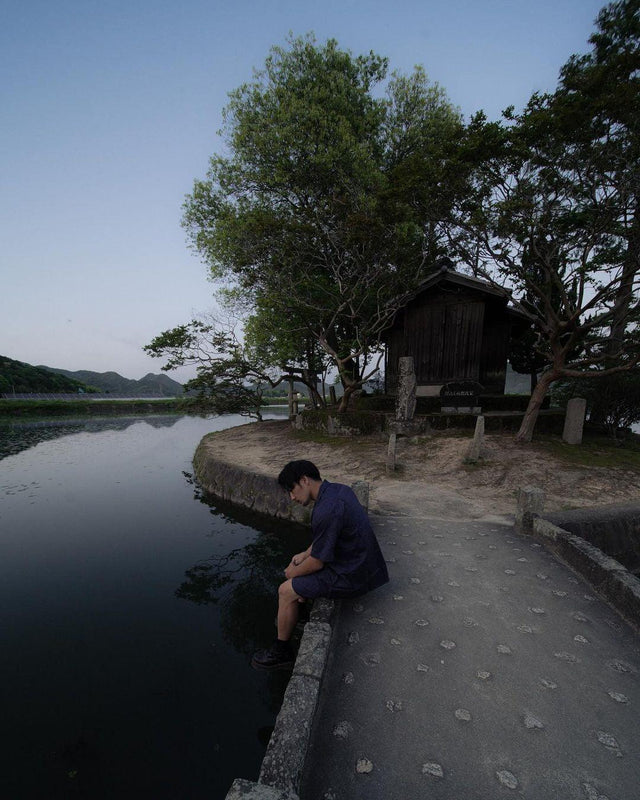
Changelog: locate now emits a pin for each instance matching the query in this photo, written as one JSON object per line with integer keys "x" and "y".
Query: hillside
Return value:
{"x": 113, "y": 383}
{"x": 18, "y": 377}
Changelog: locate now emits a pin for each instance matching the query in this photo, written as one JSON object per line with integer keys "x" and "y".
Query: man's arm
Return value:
{"x": 306, "y": 567}
{"x": 300, "y": 557}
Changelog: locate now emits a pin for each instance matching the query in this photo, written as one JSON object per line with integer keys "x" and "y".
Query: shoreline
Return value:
{"x": 431, "y": 481}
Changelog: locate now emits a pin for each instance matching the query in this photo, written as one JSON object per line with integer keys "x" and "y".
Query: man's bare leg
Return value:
{"x": 288, "y": 608}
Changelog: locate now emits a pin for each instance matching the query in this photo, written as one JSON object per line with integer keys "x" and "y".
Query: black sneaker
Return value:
{"x": 273, "y": 658}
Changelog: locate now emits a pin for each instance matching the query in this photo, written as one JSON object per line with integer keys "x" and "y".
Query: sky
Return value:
{"x": 109, "y": 110}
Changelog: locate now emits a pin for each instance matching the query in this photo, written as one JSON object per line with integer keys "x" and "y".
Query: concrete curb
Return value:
{"x": 283, "y": 763}
{"x": 607, "y": 576}
{"x": 242, "y": 487}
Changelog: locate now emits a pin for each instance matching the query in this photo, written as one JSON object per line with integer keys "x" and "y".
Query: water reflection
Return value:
{"x": 112, "y": 685}
{"x": 16, "y": 436}
{"x": 244, "y": 580}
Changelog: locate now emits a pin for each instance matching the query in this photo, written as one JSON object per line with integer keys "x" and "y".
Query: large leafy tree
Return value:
{"x": 554, "y": 209}
{"x": 325, "y": 212}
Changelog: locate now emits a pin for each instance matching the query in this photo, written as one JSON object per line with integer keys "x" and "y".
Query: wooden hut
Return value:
{"x": 457, "y": 328}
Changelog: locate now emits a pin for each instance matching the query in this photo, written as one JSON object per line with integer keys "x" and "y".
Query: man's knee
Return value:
{"x": 286, "y": 593}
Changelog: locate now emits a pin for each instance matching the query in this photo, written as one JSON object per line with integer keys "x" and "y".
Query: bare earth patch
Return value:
{"x": 432, "y": 479}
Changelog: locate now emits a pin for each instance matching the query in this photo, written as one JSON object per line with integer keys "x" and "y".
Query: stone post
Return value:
{"x": 361, "y": 490}
{"x": 391, "y": 452}
{"x": 530, "y": 505}
{"x": 477, "y": 443}
{"x": 574, "y": 420}
{"x": 406, "y": 397}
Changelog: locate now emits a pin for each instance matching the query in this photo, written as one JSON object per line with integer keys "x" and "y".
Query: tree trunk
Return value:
{"x": 619, "y": 322}
{"x": 346, "y": 397}
{"x": 525, "y": 434}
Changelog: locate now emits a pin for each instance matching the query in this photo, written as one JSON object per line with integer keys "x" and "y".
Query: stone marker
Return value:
{"x": 530, "y": 505}
{"x": 391, "y": 452}
{"x": 574, "y": 420}
{"x": 361, "y": 491}
{"x": 406, "y": 396}
{"x": 475, "y": 448}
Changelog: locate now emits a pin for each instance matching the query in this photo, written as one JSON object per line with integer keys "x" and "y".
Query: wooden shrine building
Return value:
{"x": 457, "y": 328}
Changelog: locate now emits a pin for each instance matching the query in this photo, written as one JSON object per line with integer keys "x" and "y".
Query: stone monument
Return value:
{"x": 574, "y": 420}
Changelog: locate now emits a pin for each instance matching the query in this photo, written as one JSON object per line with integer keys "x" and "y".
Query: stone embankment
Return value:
{"x": 244, "y": 487}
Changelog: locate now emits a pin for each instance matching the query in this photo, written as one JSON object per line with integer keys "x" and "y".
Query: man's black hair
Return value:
{"x": 294, "y": 470}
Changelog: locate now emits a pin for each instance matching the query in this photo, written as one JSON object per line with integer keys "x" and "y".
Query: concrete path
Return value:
{"x": 485, "y": 669}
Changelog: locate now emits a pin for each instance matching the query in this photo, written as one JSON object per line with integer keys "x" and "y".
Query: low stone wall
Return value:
{"x": 252, "y": 490}
{"x": 613, "y": 529}
{"x": 607, "y": 575}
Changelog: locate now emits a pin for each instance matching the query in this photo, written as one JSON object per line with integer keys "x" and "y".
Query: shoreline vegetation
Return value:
{"x": 10, "y": 409}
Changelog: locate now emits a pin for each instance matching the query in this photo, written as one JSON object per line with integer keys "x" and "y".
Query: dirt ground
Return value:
{"x": 431, "y": 478}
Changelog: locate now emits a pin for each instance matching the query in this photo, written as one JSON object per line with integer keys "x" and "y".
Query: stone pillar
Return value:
{"x": 391, "y": 452}
{"x": 574, "y": 420}
{"x": 530, "y": 505}
{"x": 475, "y": 448}
{"x": 361, "y": 489}
{"x": 406, "y": 397}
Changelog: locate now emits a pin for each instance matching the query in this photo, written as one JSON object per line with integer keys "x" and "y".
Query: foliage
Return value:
{"x": 324, "y": 216}
{"x": 225, "y": 376}
{"x": 348, "y": 423}
{"x": 83, "y": 408}
{"x": 21, "y": 378}
{"x": 554, "y": 209}
{"x": 113, "y": 383}
{"x": 617, "y": 396}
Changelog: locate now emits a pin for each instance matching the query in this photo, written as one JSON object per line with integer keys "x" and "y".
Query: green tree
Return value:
{"x": 554, "y": 210}
{"x": 326, "y": 210}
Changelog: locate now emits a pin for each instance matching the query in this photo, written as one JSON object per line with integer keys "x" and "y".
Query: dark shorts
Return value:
{"x": 327, "y": 583}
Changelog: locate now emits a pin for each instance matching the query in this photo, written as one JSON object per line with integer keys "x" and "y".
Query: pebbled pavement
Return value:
{"x": 485, "y": 669}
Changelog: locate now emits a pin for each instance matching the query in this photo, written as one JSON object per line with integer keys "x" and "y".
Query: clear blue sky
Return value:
{"x": 109, "y": 110}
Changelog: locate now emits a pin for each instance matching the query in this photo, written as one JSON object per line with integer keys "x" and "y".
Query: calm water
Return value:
{"x": 130, "y": 608}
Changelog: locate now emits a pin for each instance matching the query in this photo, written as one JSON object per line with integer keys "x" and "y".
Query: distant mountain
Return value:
{"x": 149, "y": 386}
{"x": 21, "y": 378}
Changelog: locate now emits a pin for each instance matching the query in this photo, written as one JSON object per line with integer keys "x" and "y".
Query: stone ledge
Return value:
{"x": 284, "y": 760}
{"x": 607, "y": 576}
{"x": 612, "y": 528}
{"x": 283, "y": 763}
{"x": 248, "y": 790}
{"x": 252, "y": 490}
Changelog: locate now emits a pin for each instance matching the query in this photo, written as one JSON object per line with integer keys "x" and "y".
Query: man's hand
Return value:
{"x": 300, "y": 557}
{"x": 303, "y": 564}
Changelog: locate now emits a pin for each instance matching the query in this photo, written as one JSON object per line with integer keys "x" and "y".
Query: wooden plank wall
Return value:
{"x": 452, "y": 335}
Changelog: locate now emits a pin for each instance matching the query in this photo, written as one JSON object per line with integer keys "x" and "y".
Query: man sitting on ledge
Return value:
{"x": 344, "y": 559}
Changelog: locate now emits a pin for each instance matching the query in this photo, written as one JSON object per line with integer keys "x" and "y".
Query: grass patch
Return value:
{"x": 318, "y": 437}
{"x": 595, "y": 451}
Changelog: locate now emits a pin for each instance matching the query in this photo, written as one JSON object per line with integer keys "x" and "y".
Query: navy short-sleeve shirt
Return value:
{"x": 344, "y": 540}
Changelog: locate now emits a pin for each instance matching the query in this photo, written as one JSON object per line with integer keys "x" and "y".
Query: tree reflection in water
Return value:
{"x": 244, "y": 580}
{"x": 19, "y": 435}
